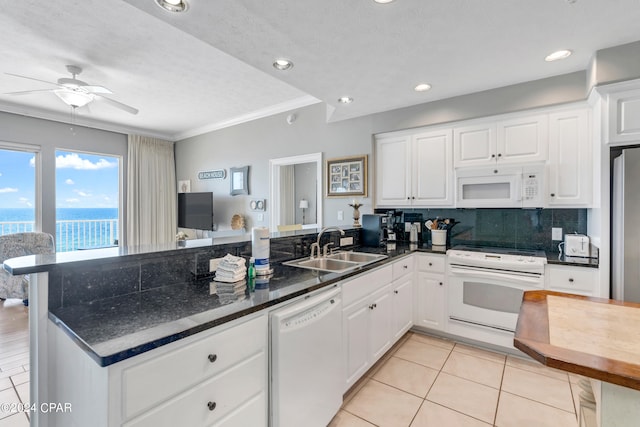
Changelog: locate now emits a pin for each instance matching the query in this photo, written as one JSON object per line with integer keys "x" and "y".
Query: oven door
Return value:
{"x": 489, "y": 298}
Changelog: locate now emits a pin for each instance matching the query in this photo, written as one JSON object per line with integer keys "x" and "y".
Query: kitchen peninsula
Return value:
{"x": 594, "y": 337}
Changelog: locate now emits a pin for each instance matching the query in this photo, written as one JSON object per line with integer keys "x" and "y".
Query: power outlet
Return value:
{"x": 556, "y": 233}
{"x": 340, "y": 215}
{"x": 260, "y": 217}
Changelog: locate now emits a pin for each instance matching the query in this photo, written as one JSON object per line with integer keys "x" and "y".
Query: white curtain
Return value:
{"x": 151, "y": 192}
{"x": 287, "y": 195}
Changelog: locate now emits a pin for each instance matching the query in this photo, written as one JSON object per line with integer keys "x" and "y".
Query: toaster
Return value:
{"x": 576, "y": 245}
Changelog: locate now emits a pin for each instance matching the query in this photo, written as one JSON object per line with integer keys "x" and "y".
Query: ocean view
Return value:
{"x": 76, "y": 228}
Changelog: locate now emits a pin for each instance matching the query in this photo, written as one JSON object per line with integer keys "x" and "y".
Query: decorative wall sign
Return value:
{"x": 347, "y": 176}
{"x": 216, "y": 174}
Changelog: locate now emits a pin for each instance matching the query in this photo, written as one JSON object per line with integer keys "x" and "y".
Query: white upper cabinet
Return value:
{"x": 570, "y": 159}
{"x": 624, "y": 116}
{"x": 414, "y": 169}
{"x": 392, "y": 176}
{"x": 515, "y": 140}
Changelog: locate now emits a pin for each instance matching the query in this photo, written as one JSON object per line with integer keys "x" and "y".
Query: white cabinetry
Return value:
{"x": 430, "y": 292}
{"x": 402, "y": 288}
{"x": 571, "y": 279}
{"x": 491, "y": 142}
{"x": 366, "y": 321}
{"x": 570, "y": 164}
{"x": 624, "y": 116}
{"x": 414, "y": 169}
{"x": 218, "y": 378}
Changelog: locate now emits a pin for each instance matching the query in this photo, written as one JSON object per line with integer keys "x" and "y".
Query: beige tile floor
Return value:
{"x": 430, "y": 382}
{"x": 14, "y": 360}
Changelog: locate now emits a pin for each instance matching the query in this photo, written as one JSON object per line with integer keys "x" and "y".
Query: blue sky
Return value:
{"x": 82, "y": 180}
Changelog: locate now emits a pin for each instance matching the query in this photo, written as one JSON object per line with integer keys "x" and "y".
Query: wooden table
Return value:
{"x": 594, "y": 337}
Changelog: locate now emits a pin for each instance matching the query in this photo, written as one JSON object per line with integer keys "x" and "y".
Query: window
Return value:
{"x": 87, "y": 200}
{"x": 17, "y": 191}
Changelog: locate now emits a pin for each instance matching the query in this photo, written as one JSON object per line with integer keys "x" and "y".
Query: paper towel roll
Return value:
{"x": 260, "y": 247}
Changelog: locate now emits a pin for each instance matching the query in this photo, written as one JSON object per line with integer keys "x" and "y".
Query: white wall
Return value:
{"x": 51, "y": 136}
{"x": 254, "y": 143}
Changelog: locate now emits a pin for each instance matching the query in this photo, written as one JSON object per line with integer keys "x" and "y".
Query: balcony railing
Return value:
{"x": 72, "y": 235}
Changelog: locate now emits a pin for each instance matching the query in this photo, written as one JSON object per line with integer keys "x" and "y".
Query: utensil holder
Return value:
{"x": 439, "y": 237}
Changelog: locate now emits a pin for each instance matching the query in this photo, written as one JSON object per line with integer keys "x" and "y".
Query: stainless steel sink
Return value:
{"x": 337, "y": 263}
{"x": 361, "y": 257}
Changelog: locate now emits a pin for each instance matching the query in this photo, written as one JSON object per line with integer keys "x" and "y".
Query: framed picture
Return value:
{"x": 347, "y": 176}
{"x": 184, "y": 186}
{"x": 239, "y": 180}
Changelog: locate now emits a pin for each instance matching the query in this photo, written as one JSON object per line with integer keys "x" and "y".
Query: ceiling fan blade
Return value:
{"x": 96, "y": 89}
{"x": 27, "y": 92}
{"x": 117, "y": 104}
{"x": 31, "y": 78}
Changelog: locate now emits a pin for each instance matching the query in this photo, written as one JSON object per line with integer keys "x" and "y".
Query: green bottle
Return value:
{"x": 252, "y": 268}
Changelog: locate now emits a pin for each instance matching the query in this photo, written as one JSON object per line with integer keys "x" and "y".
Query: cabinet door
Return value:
{"x": 380, "y": 326}
{"x": 624, "y": 116}
{"x": 432, "y": 182}
{"x": 393, "y": 173}
{"x": 430, "y": 301}
{"x": 570, "y": 165}
{"x": 522, "y": 139}
{"x": 355, "y": 342}
{"x": 474, "y": 145}
{"x": 402, "y": 306}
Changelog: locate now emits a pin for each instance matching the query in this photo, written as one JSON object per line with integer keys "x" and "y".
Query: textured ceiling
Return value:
{"x": 211, "y": 66}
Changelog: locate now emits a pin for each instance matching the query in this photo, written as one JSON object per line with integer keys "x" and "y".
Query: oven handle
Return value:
{"x": 520, "y": 277}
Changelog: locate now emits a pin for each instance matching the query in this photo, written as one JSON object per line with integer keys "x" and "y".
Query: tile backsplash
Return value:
{"x": 513, "y": 228}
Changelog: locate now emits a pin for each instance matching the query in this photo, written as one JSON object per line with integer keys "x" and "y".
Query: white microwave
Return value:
{"x": 500, "y": 187}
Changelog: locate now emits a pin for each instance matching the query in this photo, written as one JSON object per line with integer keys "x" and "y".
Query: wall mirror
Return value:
{"x": 239, "y": 180}
{"x": 296, "y": 192}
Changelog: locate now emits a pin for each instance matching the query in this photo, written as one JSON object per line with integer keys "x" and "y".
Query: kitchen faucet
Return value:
{"x": 325, "y": 248}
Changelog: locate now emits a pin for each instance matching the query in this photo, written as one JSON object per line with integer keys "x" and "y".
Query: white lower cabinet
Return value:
{"x": 402, "y": 306}
{"x": 572, "y": 279}
{"x": 214, "y": 378}
{"x": 430, "y": 292}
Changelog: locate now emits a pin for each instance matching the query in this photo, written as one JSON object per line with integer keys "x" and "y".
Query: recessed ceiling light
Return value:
{"x": 172, "y": 5}
{"x": 282, "y": 64}
{"x": 559, "y": 54}
{"x": 345, "y": 100}
{"x": 383, "y": 1}
{"x": 422, "y": 87}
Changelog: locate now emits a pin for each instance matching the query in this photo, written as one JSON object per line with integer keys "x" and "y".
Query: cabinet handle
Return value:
{"x": 495, "y": 171}
{"x": 570, "y": 279}
{"x": 372, "y": 306}
{"x": 211, "y": 405}
{"x": 395, "y": 292}
{"x": 430, "y": 264}
{"x": 493, "y": 156}
{"x": 405, "y": 266}
{"x": 413, "y": 197}
{"x": 499, "y": 154}
{"x": 212, "y": 357}
{"x": 440, "y": 283}
{"x": 553, "y": 194}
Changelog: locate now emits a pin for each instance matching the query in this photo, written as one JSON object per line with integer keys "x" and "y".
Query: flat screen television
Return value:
{"x": 195, "y": 210}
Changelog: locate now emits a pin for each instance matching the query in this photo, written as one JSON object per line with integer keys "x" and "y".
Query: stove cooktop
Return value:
{"x": 502, "y": 251}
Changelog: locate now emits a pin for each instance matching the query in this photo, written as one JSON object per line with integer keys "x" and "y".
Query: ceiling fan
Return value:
{"x": 74, "y": 92}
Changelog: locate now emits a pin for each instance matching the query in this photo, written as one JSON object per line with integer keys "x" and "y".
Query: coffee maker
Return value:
{"x": 375, "y": 229}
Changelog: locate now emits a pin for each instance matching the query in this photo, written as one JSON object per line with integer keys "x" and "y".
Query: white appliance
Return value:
{"x": 625, "y": 233}
{"x": 485, "y": 290}
{"x": 307, "y": 372}
{"x": 576, "y": 245}
{"x": 500, "y": 187}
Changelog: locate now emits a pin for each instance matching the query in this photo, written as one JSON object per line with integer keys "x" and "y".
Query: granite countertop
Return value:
{"x": 560, "y": 259}
{"x": 117, "y": 328}
{"x": 594, "y": 337}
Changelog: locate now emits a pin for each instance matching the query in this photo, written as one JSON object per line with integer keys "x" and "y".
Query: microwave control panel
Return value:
{"x": 530, "y": 187}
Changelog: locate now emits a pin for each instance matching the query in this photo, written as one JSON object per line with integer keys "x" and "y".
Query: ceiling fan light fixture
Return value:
{"x": 75, "y": 99}
{"x": 282, "y": 64}
{"x": 173, "y": 5}
{"x": 558, "y": 54}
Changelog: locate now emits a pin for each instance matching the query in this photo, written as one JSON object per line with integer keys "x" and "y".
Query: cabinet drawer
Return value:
{"x": 366, "y": 284}
{"x": 227, "y": 395}
{"x": 403, "y": 267}
{"x": 431, "y": 263}
{"x": 151, "y": 382}
{"x": 579, "y": 280}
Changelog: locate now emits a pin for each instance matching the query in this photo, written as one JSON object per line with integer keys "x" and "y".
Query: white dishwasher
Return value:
{"x": 307, "y": 375}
